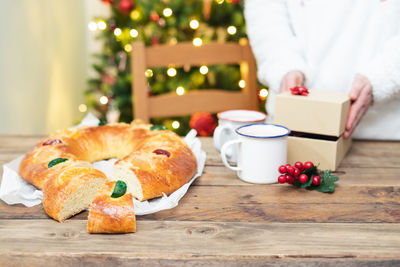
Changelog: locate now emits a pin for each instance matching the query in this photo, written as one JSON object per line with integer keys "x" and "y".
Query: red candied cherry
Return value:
{"x": 290, "y": 179}
{"x": 308, "y": 165}
{"x": 282, "y": 179}
{"x": 52, "y": 142}
{"x": 287, "y": 165}
{"x": 282, "y": 169}
{"x": 316, "y": 180}
{"x": 290, "y": 170}
{"x": 303, "y": 178}
{"x": 162, "y": 152}
{"x": 299, "y": 165}
{"x": 296, "y": 172}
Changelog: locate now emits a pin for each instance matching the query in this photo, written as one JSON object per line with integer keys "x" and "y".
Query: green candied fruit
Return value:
{"x": 56, "y": 161}
{"x": 119, "y": 189}
{"x": 101, "y": 123}
{"x": 158, "y": 127}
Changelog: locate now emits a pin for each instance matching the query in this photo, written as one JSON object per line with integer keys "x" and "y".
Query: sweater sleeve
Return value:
{"x": 275, "y": 46}
{"x": 384, "y": 71}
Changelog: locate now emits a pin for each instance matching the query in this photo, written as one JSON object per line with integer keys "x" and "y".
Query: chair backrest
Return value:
{"x": 183, "y": 54}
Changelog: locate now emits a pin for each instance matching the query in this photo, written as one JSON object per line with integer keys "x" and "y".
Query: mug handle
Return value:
{"x": 218, "y": 133}
{"x": 224, "y": 151}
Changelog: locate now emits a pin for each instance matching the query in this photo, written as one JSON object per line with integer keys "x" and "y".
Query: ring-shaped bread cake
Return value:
{"x": 151, "y": 163}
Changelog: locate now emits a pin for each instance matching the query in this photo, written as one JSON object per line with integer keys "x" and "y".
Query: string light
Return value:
{"x": 171, "y": 72}
{"x": 220, "y": 1}
{"x": 173, "y": 41}
{"x": 194, "y": 24}
{"x": 117, "y": 32}
{"x": 101, "y": 24}
{"x": 82, "y": 108}
{"x": 180, "y": 90}
{"x": 203, "y": 70}
{"x": 148, "y": 73}
{"x": 134, "y": 33}
{"x": 263, "y": 93}
{"x": 243, "y": 41}
{"x": 167, "y": 12}
{"x": 231, "y": 30}
{"x": 176, "y": 124}
{"x": 92, "y": 26}
{"x": 197, "y": 41}
{"x": 242, "y": 83}
{"x": 135, "y": 14}
{"x": 128, "y": 47}
{"x": 103, "y": 100}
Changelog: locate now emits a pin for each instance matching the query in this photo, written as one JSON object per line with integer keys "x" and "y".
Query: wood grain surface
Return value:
{"x": 224, "y": 221}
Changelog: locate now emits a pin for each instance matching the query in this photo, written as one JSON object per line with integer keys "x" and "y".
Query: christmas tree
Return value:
{"x": 161, "y": 22}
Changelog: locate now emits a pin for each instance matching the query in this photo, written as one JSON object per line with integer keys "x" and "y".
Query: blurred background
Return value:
{"x": 62, "y": 59}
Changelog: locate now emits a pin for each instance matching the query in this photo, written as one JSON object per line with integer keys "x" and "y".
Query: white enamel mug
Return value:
{"x": 230, "y": 120}
{"x": 262, "y": 148}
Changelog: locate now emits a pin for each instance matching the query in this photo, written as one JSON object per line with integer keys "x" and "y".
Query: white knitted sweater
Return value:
{"x": 330, "y": 41}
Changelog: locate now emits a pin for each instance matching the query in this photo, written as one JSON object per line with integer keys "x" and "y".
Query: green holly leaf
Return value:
{"x": 158, "y": 128}
{"x": 327, "y": 182}
{"x": 101, "y": 123}
{"x": 119, "y": 189}
{"x": 55, "y": 162}
{"x": 297, "y": 183}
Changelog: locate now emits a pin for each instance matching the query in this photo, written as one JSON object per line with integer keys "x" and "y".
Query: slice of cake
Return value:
{"x": 112, "y": 211}
{"x": 71, "y": 191}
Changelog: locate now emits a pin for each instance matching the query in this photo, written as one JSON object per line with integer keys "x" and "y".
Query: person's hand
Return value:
{"x": 361, "y": 96}
{"x": 292, "y": 79}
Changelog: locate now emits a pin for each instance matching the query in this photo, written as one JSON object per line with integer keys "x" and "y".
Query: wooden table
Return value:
{"x": 223, "y": 221}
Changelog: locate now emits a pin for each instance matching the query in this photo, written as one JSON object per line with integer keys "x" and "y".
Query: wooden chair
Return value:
{"x": 207, "y": 100}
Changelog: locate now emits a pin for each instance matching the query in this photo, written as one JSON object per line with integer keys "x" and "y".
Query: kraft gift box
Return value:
{"x": 317, "y": 122}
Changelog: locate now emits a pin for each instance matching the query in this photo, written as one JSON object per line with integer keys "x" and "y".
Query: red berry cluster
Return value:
{"x": 291, "y": 173}
{"x": 299, "y": 90}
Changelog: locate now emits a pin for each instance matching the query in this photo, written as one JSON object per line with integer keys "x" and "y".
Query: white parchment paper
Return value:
{"x": 15, "y": 190}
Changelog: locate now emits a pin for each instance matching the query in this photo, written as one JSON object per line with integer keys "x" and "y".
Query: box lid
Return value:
{"x": 321, "y": 112}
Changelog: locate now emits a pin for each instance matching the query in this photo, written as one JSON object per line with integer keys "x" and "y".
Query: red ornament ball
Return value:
{"x": 125, "y": 6}
{"x": 154, "y": 17}
{"x": 107, "y": 2}
{"x": 234, "y": 2}
{"x": 108, "y": 79}
{"x": 155, "y": 40}
{"x": 203, "y": 122}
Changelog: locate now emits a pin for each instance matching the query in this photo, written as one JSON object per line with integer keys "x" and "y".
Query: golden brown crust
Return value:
{"x": 33, "y": 167}
{"x": 85, "y": 143}
{"x": 62, "y": 186}
{"x": 111, "y": 215}
{"x": 134, "y": 144}
{"x": 160, "y": 173}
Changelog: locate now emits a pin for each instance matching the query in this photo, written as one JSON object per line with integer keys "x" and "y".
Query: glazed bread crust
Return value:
{"x": 156, "y": 173}
{"x": 71, "y": 191}
{"x": 147, "y": 173}
{"x": 109, "y": 215}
